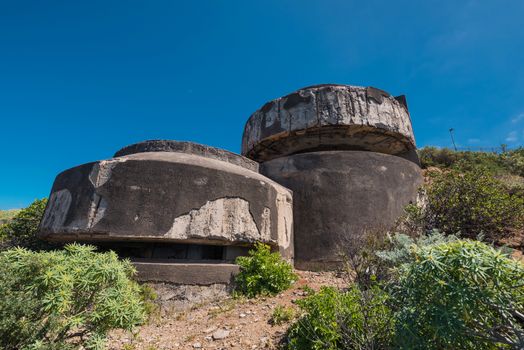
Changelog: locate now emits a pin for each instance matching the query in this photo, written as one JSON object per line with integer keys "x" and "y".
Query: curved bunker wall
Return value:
{"x": 348, "y": 154}
{"x": 170, "y": 197}
{"x": 339, "y": 195}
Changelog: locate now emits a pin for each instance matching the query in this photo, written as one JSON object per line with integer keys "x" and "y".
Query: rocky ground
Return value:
{"x": 229, "y": 323}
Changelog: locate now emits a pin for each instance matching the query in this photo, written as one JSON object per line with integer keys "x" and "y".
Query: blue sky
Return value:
{"x": 80, "y": 79}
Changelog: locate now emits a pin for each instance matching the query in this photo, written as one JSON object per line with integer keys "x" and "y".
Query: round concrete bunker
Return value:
{"x": 170, "y": 192}
{"x": 348, "y": 154}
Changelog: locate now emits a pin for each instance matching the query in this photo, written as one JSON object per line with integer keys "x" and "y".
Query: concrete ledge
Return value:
{"x": 186, "y": 273}
{"x": 329, "y": 117}
{"x": 188, "y": 148}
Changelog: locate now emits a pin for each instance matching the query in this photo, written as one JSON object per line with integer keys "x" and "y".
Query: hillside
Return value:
{"x": 7, "y": 215}
{"x": 230, "y": 323}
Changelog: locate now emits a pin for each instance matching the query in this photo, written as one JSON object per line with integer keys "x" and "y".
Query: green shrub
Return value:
{"x": 459, "y": 295}
{"x": 356, "y": 319}
{"x": 148, "y": 297}
{"x": 65, "y": 299}
{"x": 281, "y": 315}
{"x": 361, "y": 264}
{"x": 514, "y": 161}
{"x": 263, "y": 272}
{"x": 400, "y": 246}
{"x": 437, "y": 157}
{"x": 470, "y": 203}
{"x": 22, "y": 228}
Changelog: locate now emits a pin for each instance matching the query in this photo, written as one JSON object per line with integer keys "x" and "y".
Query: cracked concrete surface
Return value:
{"x": 223, "y": 219}
{"x": 329, "y": 117}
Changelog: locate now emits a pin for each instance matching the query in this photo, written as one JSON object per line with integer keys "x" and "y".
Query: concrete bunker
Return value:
{"x": 184, "y": 211}
{"x": 348, "y": 155}
{"x": 171, "y": 205}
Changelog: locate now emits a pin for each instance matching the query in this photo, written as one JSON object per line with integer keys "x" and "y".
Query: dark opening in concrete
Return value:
{"x": 174, "y": 252}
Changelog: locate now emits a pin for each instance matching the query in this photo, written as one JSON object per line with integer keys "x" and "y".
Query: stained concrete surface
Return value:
{"x": 329, "y": 117}
{"x": 169, "y": 197}
{"x": 342, "y": 194}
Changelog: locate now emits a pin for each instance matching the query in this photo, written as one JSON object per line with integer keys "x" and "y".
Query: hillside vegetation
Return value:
{"x": 443, "y": 278}
{"x": 21, "y": 229}
{"x": 7, "y": 215}
{"x": 507, "y": 166}
{"x": 472, "y": 194}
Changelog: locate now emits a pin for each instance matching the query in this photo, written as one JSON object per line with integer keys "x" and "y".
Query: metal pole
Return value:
{"x": 452, "y": 138}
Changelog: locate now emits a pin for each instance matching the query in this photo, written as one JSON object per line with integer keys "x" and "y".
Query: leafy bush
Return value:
{"x": 22, "y": 228}
{"x": 358, "y": 254}
{"x": 470, "y": 203}
{"x": 332, "y": 319}
{"x": 514, "y": 161}
{"x": 65, "y": 299}
{"x": 459, "y": 295}
{"x": 400, "y": 246}
{"x": 281, "y": 315}
{"x": 148, "y": 296}
{"x": 263, "y": 272}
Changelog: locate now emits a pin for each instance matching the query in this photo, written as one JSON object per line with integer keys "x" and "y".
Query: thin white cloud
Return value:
{"x": 473, "y": 140}
{"x": 518, "y": 118}
{"x": 512, "y": 137}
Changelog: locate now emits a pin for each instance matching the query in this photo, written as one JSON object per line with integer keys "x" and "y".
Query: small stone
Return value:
{"x": 242, "y": 315}
{"x": 220, "y": 334}
{"x": 197, "y": 346}
{"x": 210, "y": 329}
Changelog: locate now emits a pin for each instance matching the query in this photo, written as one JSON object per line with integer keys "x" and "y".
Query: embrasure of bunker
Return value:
{"x": 329, "y": 117}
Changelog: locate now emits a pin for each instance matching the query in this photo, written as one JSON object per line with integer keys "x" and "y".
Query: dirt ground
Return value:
{"x": 241, "y": 324}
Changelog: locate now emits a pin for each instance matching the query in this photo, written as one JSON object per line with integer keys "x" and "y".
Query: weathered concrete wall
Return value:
{"x": 204, "y": 274}
{"x": 171, "y": 197}
{"x": 188, "y": 148}
{"x": 338, "y": 194}
{"x": 330, "y": 117}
